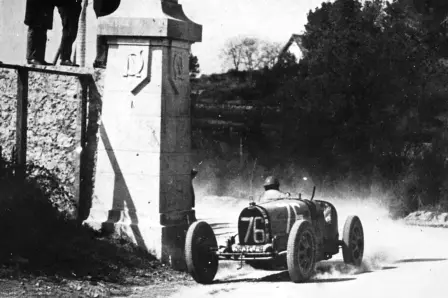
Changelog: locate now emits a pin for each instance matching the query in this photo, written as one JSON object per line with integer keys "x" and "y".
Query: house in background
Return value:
{"x": 294, "y": 46}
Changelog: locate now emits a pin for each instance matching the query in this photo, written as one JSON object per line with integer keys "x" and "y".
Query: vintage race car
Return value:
{"x": 291, "y": 232}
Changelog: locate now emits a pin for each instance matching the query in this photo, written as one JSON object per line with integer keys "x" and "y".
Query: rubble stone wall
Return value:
{"x": 52, "y": 122}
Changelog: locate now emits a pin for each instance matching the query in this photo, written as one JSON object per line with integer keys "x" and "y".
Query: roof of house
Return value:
{"x": 295, "y": 38}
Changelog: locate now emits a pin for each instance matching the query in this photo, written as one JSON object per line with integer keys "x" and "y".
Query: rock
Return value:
{"x": 51, "y": 165}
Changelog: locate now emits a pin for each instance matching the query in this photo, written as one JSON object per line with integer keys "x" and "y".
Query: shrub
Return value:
{"x": 36, "y": 224}
{"x": 32, "y": 212}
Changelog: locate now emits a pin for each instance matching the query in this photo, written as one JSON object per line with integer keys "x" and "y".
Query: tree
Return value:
{"x": 368, "y": 92}
{"x": 434, "y": 15}
{"x": 193, "y": 66}
{"x": 360, "y": 92}
{"x": 270, "y": 52}
{"x": 249, "y": 53}
{"x": 275, "y": 78}
{"x": 232, "y": 53}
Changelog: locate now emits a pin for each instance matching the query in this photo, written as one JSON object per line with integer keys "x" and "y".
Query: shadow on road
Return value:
{"x": 281, "y": 277}
{"x": 342, "y": 268}
{"x": 284, "y": 276}
{"x": 388, "y": 267}
{"x": 419, "y": 260}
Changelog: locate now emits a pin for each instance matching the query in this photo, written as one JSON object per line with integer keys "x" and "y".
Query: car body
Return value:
{"x": 292, "y": 232}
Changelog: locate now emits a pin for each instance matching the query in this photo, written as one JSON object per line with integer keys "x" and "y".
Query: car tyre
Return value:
{"x": 301, "y": 251}
{"x": 201, "y": 259}
{"x": 353, "y": 241}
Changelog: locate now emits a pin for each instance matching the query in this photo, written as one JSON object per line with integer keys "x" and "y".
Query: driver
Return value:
{"x": 272, "y": 192}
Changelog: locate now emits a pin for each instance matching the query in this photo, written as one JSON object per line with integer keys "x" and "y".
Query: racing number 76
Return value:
{"x": 258, "y": 234}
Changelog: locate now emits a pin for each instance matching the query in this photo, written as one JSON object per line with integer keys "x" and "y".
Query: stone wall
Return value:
{"x": 52, "y": 122}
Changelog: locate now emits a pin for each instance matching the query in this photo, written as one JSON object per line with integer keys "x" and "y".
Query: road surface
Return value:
{"x": 400, "y": 261}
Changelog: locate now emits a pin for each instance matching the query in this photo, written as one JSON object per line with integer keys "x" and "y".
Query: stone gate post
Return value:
{"x": 142, "y": 181}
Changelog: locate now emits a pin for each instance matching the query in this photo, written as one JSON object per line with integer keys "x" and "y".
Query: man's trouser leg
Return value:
{"x": 36, "y": 44}
{"x": 65, "y": 46}
{"x": 70, "y": 18}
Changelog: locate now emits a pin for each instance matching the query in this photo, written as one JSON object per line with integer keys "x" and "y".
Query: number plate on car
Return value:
{"x": 247, "y": 248}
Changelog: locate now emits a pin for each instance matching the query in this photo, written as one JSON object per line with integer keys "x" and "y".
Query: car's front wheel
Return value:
{"x": 353, "y": 241}
{"x": 201, "y": 259}
{"x": 301, "y": 251}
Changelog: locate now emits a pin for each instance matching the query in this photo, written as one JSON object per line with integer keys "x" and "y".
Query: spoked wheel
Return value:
{"x": 353, "y": 241}
{"x": 301, "y": 251}
{"x": 202, "y": 261}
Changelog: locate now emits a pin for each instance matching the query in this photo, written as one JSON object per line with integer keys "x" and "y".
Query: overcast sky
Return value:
{"x": 273, "y": 20}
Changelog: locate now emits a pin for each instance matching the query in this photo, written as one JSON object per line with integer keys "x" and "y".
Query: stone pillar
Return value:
{"x": 142, "y": 182}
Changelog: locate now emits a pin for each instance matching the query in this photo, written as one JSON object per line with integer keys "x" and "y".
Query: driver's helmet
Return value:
{"x": 271, "y": 181}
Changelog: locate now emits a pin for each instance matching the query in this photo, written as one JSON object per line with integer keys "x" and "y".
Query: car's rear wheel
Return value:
{"x": 301, "y": 251}
{"x": 201, "y": 259}
{"x": 353, "y": 241}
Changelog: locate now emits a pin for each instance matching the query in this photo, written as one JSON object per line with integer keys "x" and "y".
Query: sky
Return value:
{"x": 271, "y": 20}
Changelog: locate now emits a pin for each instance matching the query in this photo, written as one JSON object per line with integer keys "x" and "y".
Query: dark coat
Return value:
{"x": 39, "y": 13}
{"x": 105, "y": 7}
{"x": 67, "y": 3}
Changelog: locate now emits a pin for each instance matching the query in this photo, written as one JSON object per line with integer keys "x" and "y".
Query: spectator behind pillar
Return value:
{"x": 39, "y": 19}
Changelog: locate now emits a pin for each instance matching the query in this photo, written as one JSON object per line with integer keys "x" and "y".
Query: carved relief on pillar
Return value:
{"x": 179, "y": 70}
{"x": 178, "y": 105}
{"x": 135, "y": 64}
{"x": 130, "y": 67}
{"x": 178, "y": 67}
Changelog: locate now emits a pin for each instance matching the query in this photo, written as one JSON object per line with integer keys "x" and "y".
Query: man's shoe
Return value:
{"x": 98, "y": 64}
{"x": 69, "y": 63}
{"x": 38, "y": 62}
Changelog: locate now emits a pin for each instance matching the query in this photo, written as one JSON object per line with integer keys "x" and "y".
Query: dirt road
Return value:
{"x": 400, "y": 261}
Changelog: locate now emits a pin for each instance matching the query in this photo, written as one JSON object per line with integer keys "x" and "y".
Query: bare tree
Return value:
{"x": 232, "y": 53}
{"x": 249, "y": 53}
{"x": 270, "y": 51}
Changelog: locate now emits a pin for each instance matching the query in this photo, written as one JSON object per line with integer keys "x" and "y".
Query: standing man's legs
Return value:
{"x": 36, "y": 46}
{"x": 31, "y": 44}
{"x": 70, "y": 18}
